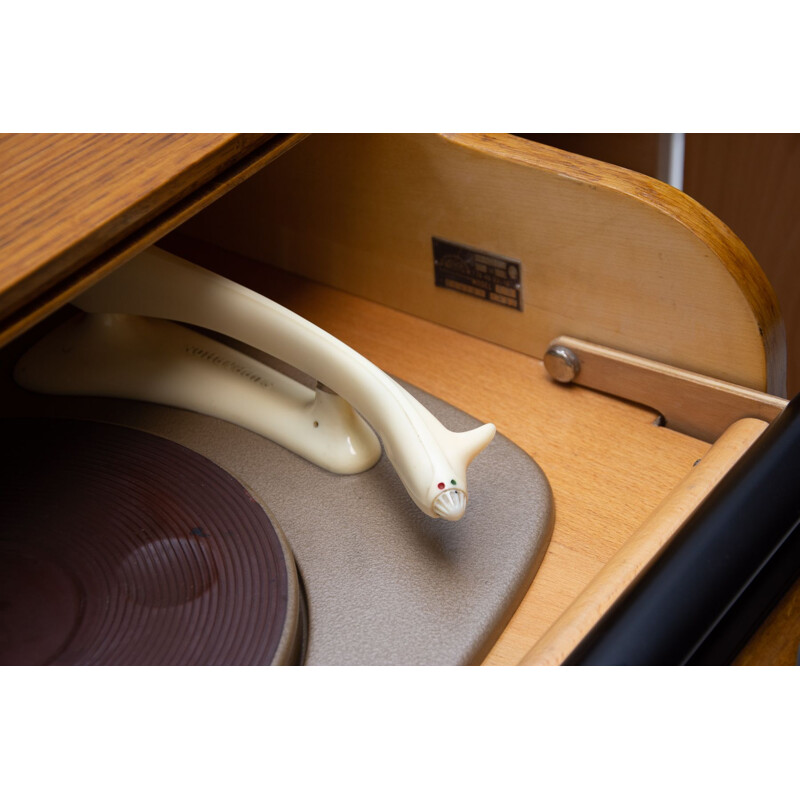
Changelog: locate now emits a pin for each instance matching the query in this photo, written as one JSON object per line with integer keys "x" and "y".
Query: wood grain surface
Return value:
{"x": 67, "y": 198}
{"x": 640, "y": 152}
{"x": 777, "y": 641}
{"x": 752, "y": 182}
{"x": 644, "y": 546}
{"x": 607, "y": 255}
{"x": 79, "y": 277}
{"x": 608, "y": 464}
{"x": 690, "y": 403}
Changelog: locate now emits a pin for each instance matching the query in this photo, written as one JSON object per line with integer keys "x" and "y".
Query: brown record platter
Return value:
{"x": 121, "y": 547}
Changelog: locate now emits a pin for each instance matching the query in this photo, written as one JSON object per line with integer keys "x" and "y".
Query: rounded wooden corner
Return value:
{"x": 722, "y": 244}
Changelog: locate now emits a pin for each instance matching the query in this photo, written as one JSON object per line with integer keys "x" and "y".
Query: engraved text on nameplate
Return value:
{"x": 477, "y": 273}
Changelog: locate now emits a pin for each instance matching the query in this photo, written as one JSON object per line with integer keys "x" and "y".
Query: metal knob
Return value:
{"x": 561, "y": 363}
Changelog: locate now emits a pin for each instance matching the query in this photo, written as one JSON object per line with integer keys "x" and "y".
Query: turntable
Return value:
{"x": 625, "y": 345}
{"x": 170, "y": 559}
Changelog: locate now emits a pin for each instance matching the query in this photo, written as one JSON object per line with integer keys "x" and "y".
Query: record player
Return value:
{"x": 622, "y": 342}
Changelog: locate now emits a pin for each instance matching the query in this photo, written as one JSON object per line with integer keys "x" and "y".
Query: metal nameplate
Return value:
{"x": 483, "y": 275}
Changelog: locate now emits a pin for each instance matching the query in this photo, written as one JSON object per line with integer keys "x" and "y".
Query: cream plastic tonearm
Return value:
{"x": 123, "y": 355}
{"x": 114, "y": 352}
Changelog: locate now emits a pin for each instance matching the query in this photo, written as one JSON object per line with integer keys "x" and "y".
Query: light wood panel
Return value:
{"x": 608, "y": 464}
{"x": 607, "y": 255}
{"x": 109, "y": 199}
{"x": 640, "y": 550}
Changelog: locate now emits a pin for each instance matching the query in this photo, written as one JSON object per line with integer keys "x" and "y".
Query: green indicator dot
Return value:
{"x": 453, "y": 482}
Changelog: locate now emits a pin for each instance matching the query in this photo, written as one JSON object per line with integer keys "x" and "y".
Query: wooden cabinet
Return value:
{"x": 340, "y": 229}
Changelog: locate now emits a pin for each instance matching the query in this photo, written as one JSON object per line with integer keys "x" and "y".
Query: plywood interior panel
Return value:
{"x": 606, "y": 255}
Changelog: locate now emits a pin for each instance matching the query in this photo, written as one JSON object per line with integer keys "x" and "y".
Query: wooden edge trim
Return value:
{"x": 693, "y": 404}
{"x": 60, "y": 294}
{"x": 644, "y": 546}
{"x": 722, "y": 243}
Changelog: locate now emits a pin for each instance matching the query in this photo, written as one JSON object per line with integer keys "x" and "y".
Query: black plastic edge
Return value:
{"x": 722, "y": 572}
{"x": 751, "y": 608}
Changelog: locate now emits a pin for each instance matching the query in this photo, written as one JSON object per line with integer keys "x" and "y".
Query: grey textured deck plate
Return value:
{"x": 385, "y": 584}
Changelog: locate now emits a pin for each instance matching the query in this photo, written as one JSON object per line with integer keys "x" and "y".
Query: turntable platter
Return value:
{"x": 120, "y": 547}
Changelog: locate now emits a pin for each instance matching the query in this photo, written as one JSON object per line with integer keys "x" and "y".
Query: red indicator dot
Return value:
{"x": 441, "y": 486}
